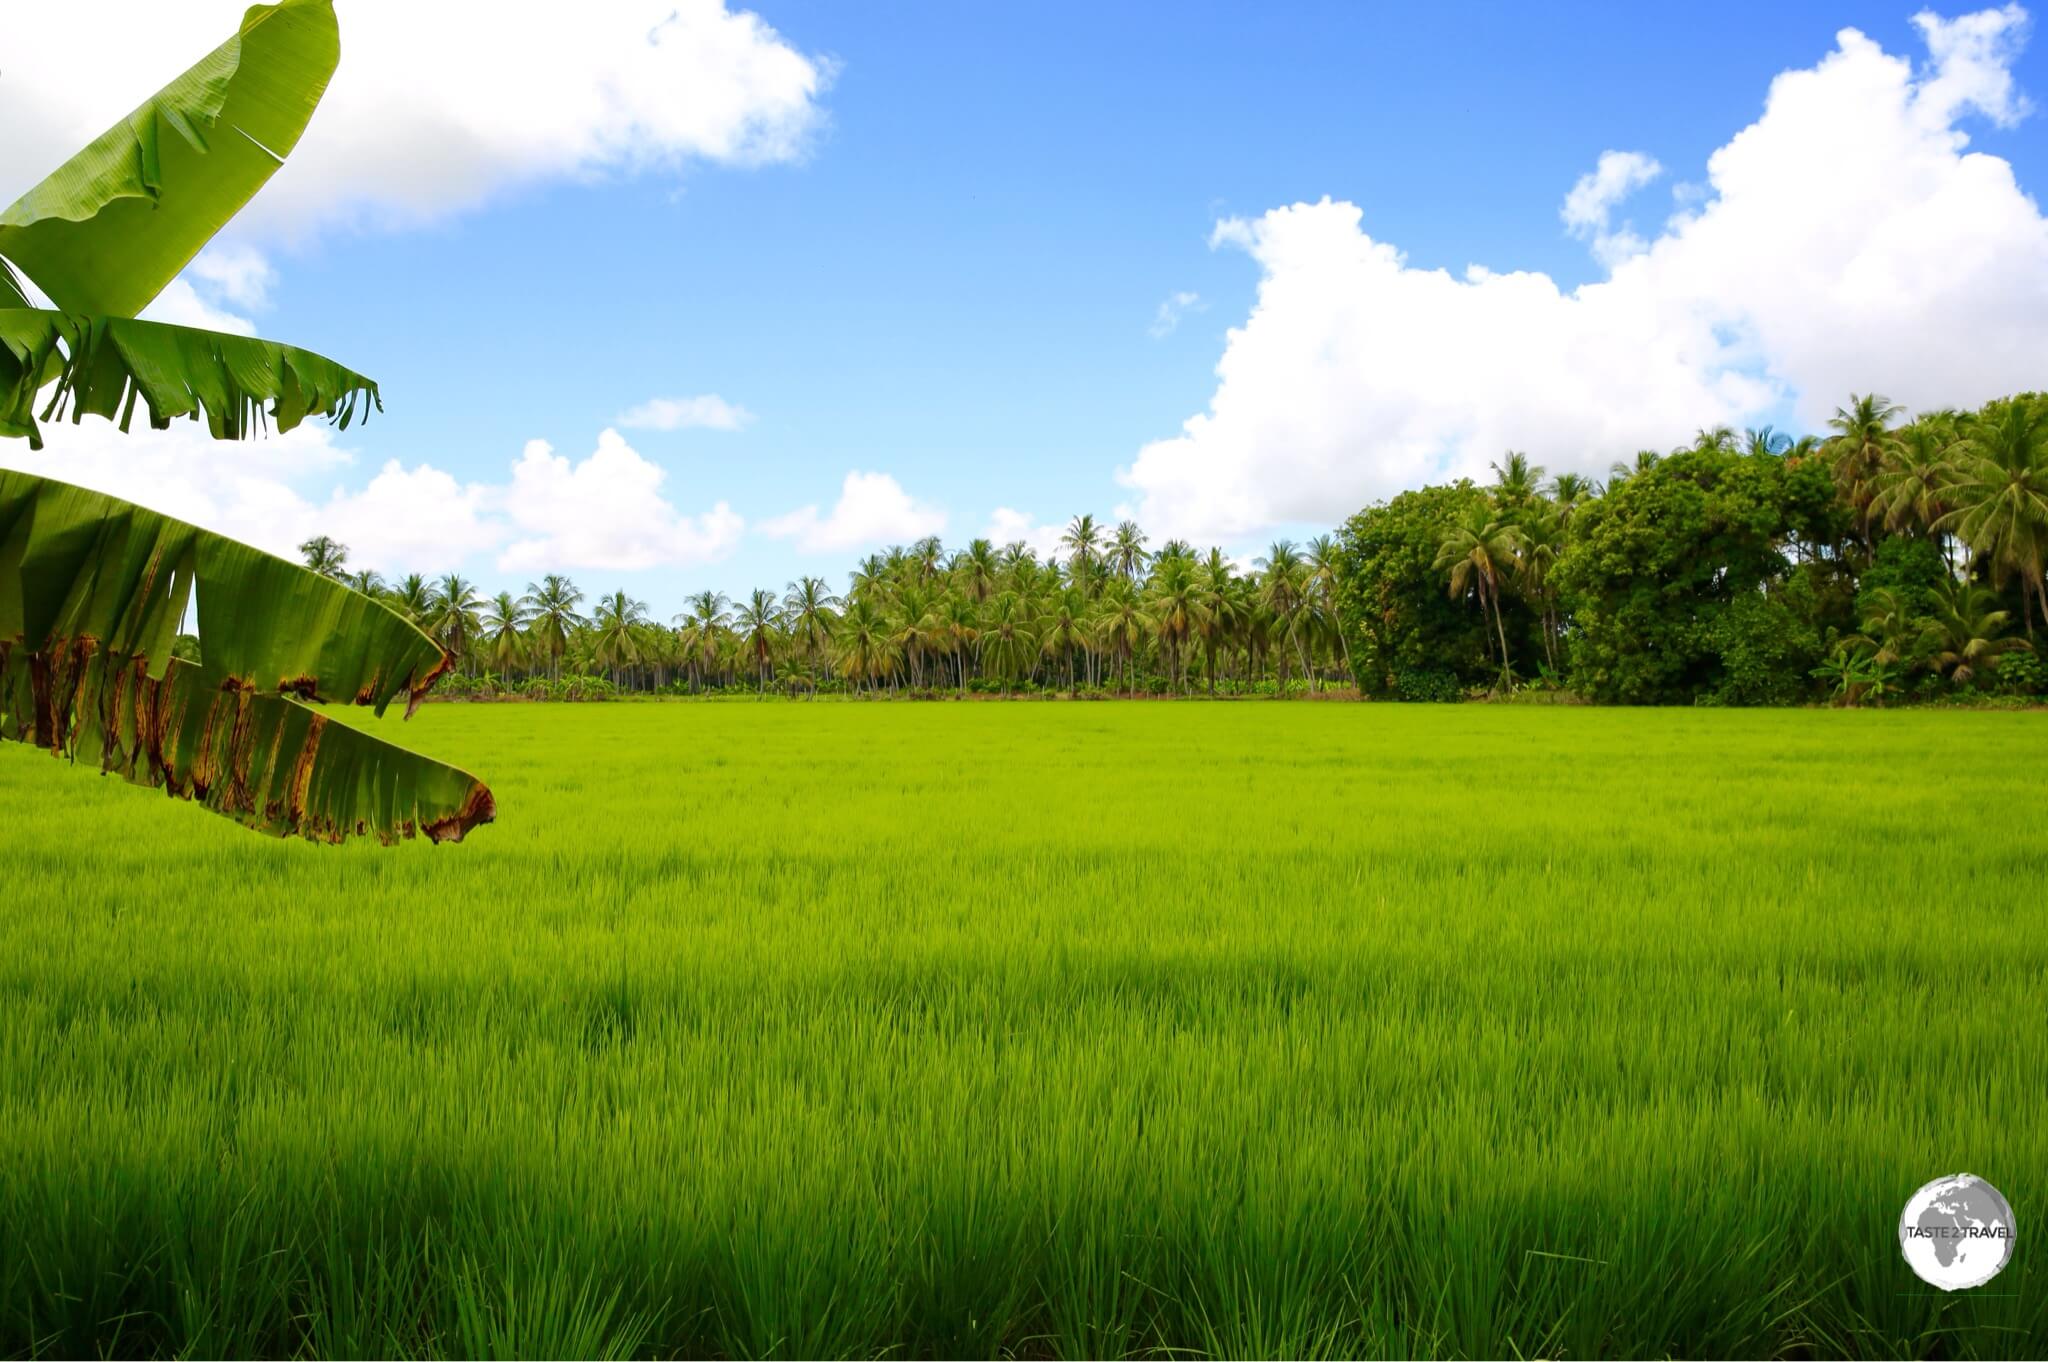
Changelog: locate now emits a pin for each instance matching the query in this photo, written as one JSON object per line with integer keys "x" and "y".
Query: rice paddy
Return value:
{"x": 1041, "y": 1030}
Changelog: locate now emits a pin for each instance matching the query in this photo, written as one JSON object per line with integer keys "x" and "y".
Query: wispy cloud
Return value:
{"x": 1167, "y": 319}
{"x": 708, "y": 412}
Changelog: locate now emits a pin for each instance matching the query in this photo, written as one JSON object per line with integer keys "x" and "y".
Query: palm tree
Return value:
{"x": 1325, "y": 568}
{"x": 1569, "y": 491}
{"x": 862, "y": 633}
{"x": 616, "y": 626}
{"x": 1121, "y": 627}
{"x": 1543, "y": 538}
{"x": 1620, "y": 472}
{"x": 1859, "y": 449}
{"x": 1065, "y": 628}
{"x": 2000, "y": 495}
{"x": 1217, "y": 607}
{"x": 325, "y": 556}
{"x": 1516, "y": 480}
{"x": 365, "y": 580}
{"x": 702, "y": 628}
{"x": 1911, "y": 488}
{"x": 925, "y": 555}
{"x": 1967, "y": 635}
{"x": 1766, "y": 442}
{"x": 414, "y": 599}
{"x": 917, "y": 631}
{"x": 452, "y": 617}
{"x": 1008, "y": 640}
{"x": 1283, "y": 589}
{"x": 1127, "y": 556}
{"x": 759, "y": 622}
{"x": 1479, "y": 552}
{"x": 977, "y": 569}
{"x": 1082, "y": 540}
{"x": 502, "y": 620}
{"x": 959, "y": 625}
{"x": 807, "y": 608}
{"x": 553, "y": 603}
{"x": 1174, "y": 606}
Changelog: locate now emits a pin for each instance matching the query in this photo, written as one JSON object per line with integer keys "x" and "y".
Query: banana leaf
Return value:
{"x": 105, "y": 231}
{"x": 101, "y": 365}
{"x": 92, "y": 591}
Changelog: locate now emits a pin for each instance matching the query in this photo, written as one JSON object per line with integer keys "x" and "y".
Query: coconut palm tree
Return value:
{"x": 702, "y": 628}
{"x": 325, "y": 556}
{"x": 1910, "y": 490}
{"x": 615, "y": 626}
{"x": 1127, "y": 556}
{"x": 1121, "y": 627}
{"x": 916, "y": 632}
{"x": 1860, "y": 448}
{"x": 807, "y": 613}
{"x": 959, "y": 625}
{"x": 1283, "y": 589}
{"x": 499, "y": 631}
{"x": 758, "y": 627}
{"x": 862, "y": 635}
{"x": 1173, "y": 603}
{"x": 1009, "y": 641}
{"x": 452, "y": 617}
{"x": 1064, "y": 629}
{"x": 413, "y": 598}
{"x": 552, "y": 603}
{"x": 1218, "y": 607}
{"x": 1479, "y": 553}
{"x": 1967, "y": 635}
{"x": 1324, "y": 565}
{"x": 1082, "y": 539}
{"x": 368, "y": 581}
{"x": 2000, "y": 495}
{"x": 977, "y": 569}
{"x": 1621, "y": 471}
{"x": 1515, "y": 480}
{"x": 1569, "y": 491}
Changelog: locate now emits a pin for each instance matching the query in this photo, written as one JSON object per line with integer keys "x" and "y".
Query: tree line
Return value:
{"x": 1106, "y": 614}
{"x": 1887, "y": 559}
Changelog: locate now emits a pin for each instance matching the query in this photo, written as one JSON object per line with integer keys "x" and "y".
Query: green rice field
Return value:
{"x": 1042, "y": 1030}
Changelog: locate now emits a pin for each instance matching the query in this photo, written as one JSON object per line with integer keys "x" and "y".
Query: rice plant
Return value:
{"x": 1036, "y": 1030}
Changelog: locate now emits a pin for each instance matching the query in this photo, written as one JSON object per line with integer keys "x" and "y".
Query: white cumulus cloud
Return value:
{"x": 709, "y": 412}
{"x": 1007, "y": 525}
{"x": 435, "y": 107}
{"x": 605, "y": 511}
{"x": 609, "y": 510}
{"x": 1848, "y": 239}
{"x": 872, "y": 509}
{"x": 1589, "y": 209}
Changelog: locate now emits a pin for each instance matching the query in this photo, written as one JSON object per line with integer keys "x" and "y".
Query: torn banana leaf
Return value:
{"x": 92, "y": 592}
{"x": 266, "y": 761}
{"x": 105, "y": 231}
{"x": 102, "y": 365}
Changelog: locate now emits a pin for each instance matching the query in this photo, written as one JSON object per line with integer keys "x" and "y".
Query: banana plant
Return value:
{"x": 93, "y": 588}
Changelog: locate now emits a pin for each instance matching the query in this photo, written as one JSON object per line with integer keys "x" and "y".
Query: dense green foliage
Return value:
{"x": 794, "y": 1032}
{"x": 1884, "y": 561}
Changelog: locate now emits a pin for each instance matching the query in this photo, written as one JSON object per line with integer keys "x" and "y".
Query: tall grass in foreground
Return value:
{"x": 1041, "y": 1030}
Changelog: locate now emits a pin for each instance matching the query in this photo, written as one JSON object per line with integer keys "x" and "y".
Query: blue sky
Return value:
{"x": 953, "y": 277}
